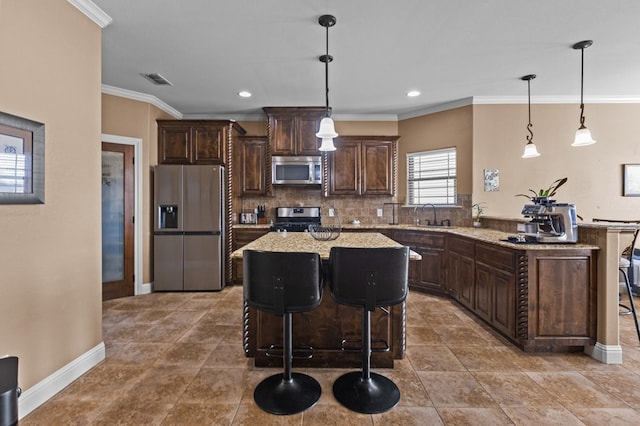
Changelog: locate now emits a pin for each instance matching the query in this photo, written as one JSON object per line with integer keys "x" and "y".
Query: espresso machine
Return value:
{"x": 551, "y": 222}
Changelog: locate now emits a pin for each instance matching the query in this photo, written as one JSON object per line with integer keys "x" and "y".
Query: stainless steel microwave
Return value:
{"x": 287, "y": 170}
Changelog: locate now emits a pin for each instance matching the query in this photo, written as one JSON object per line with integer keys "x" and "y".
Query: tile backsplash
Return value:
{"x": 349, "y": 209}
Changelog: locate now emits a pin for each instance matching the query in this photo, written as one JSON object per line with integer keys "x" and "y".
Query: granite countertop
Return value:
{"x": 480, "y": 234}
{"x": 304, "y": 242}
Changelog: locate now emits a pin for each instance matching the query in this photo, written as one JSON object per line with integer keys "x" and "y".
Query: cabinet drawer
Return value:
{"x": 498, "y": 257}
{"x": 435, "y": 240}
{"x": 462, "y": 246}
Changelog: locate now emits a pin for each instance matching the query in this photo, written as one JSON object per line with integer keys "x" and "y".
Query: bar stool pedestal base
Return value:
{"x": 375, "y": 395}
{"x": 279, "y": 396}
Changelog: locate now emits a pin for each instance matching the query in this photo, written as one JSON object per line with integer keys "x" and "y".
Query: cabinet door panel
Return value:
{"x": 483, "y": 290}
{"x": 208, "y": 145}
{"x": 175, "y": 145}
{"x": 252, "y": 166}
{"x": 431, "y": 268}
{"x": 465, "y": 277}
{"x": 504, "y": 302}
{"x": 377, "y": 168}
{"x": 308, "y": 143}
{"x": 344, "y": 170}
{"x": 282, "y": 133}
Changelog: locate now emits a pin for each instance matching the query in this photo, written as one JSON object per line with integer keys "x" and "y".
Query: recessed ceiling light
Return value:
{"x": 413, "y": 93}
{"x": 244, "y": 94}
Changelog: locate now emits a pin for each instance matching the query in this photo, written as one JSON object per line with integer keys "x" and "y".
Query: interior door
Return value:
{"x": 117, "y": 220}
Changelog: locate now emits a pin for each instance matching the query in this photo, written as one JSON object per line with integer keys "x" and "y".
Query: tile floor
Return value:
{"x": 176, "y": 359}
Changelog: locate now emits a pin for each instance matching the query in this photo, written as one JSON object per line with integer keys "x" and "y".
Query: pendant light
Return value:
{"x": 530, "y": 149}
{"x": 327, "y": 130}
{"x": 583, "y": 135}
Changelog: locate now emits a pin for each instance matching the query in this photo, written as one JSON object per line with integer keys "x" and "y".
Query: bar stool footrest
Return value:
{"x": 299, "y": 352}
{"x": 369, "y": 396}
{"x": 345, "y": 348}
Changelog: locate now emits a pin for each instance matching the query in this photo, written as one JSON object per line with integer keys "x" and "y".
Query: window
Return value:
{"x": 431, "y": 177}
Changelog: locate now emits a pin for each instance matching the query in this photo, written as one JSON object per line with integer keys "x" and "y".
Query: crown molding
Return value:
{"x": 231, "y": 117}
{"x": 143, "y": 97}
{"x": 365, "y": 117}
{"x": 490, "y": 100}
{"x": 93, "y": 12}
{"x": 437, "y": 108}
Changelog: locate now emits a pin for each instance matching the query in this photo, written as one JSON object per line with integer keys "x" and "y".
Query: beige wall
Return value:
{"x": 594, "y": 172}
{"x": 50, "y": 290}
{"x": 440, "y": 130}
{"x": 135, "y": 119}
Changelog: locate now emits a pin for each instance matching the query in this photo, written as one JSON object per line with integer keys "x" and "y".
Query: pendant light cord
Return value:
{"x": 326, "y": 74}
{"x": 529, "y": 126}
{"x": 581, "y": 88}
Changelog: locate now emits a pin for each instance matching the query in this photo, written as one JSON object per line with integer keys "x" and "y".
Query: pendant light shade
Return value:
{"x": 327, "y": 130}
{"x": 583, "y": 135}
{"x": 327, "y": 145}
{"x": 530, "y": 149}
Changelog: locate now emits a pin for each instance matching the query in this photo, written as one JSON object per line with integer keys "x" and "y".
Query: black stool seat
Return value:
{"x": 283, "y": 283}
{"x": 368, "y": 278}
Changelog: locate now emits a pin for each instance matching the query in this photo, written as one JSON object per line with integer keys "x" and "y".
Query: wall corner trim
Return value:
{"x": 92, "y": 12}
{"x": 42, "y": 391}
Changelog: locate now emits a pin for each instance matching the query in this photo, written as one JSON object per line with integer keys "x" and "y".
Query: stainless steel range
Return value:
{"x": 296, "y": 219}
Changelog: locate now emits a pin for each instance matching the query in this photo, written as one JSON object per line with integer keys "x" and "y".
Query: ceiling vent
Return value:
{"x": 156, "y": 78}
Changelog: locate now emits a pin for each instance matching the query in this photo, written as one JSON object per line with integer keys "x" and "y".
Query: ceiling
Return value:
{"x": 449, "y": 50}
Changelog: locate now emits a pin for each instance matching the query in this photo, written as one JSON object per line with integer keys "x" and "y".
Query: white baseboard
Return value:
{"x": 42, "y": 391}
{"x": 608, "y": 354}
{"x": 145, "y": 289}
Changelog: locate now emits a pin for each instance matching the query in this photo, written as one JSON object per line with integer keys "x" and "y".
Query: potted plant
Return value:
{"x": 478, "y": 210}
{"x": 543, "y": 196}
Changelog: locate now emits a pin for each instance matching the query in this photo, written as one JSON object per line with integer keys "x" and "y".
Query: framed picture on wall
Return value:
{"x": 491, "y": 180}
{"x": 631, "y": 184}
{"x": 21, "y": 160}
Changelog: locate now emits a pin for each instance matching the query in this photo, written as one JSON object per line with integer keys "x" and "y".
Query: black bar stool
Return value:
{"x": 283, "y": 283}
{"x": 368, "y": 278}
{"x": 9, "y": 391}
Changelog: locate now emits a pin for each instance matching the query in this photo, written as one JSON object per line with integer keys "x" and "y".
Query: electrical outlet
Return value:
{"x": 379, "y": 212}
{"x": 332, "y": 213}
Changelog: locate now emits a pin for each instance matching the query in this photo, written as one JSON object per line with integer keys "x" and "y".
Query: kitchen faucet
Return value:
{"x": 435, "y": 221}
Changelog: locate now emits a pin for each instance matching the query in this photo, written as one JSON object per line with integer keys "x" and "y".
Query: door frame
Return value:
{"x": 138, "y": 286}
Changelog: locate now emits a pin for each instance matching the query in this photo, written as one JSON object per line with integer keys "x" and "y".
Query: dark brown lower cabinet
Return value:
{"x": 428, "y": 274}
{"x": 242, "y": 237}
{"x": 541, "y": 299}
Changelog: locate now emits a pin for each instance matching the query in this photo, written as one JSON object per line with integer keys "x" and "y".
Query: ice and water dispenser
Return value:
{"x": 168, "y": 216}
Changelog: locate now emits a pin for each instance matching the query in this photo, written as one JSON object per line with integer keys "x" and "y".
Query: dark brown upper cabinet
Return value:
{"x": 362, "y": 165}
{"x": 195, "y": 141}
{"x": 292, "y": 130}
{"x": 250, "y": 165}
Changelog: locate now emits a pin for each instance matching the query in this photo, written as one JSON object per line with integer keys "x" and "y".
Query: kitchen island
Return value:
{"x": 325, "y": 327}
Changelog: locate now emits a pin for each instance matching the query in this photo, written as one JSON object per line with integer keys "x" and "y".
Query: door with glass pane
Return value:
{"x": 117, "y": 220}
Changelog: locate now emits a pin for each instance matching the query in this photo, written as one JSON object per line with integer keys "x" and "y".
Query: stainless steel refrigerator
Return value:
{"x": 188, "y": 228}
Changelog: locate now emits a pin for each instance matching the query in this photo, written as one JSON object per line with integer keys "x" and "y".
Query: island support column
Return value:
{"x": 607, "y": 348}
